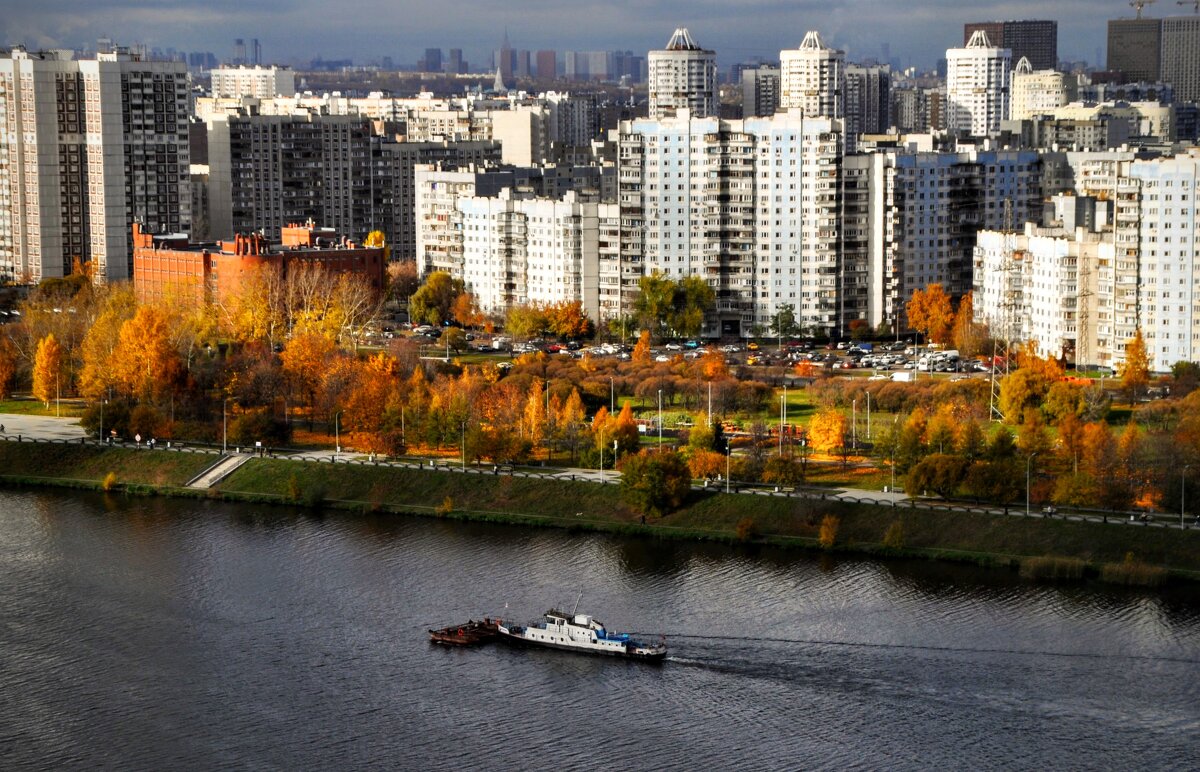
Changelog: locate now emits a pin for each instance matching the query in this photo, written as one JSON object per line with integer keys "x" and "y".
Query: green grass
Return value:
{"x": 67, "y": 408}
{"x": 89, "y": 462}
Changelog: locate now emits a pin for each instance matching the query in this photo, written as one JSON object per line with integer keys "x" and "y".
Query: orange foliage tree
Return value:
{"x": 827, "y": 432}
{"x": 929, "y": 312}
{"x": 47, "y": 370}
{"x": 8, "y": 366}
{"x": 641, "y": 351}
{"x": 145, "y": 364}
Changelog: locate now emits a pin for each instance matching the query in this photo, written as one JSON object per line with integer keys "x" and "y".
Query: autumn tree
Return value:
{"x": 525, "y": 321}
{"x": 968, "y": 335}
{"x": 929, "y": 312}
{"x": 145, "y": 364}
{"x": 939, "y": 473}
{"x": 641, "y": 350}
{"x": 1135, "y": 372}
{"x": 465, "y": 310}
{"x": 655, "y": 483}
{"x": 8, "y": 366}
{"x": 568, "y": 321}
{"x": 827, "y": 432}
{"x": 47, "y": 370}
{"x": 306, "y": 360}
{"x": 433, "y": 303}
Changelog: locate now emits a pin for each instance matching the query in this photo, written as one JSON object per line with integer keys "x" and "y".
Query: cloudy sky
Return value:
{"x": 917, "y": 31}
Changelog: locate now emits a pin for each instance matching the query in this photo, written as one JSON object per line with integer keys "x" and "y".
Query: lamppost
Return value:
{"x": 660, "y": 419}
{"x": 612, "y": 395}
{"x": 1183, "y": 492}
{"x": 224, "y": 427}
{"x": 337, "y": 437}
{"x": 782, "y": 403}
{"x": 854, "y": 424}
{"x": 1028, "y": 463}
{"x": 601, "y": 455}
{"x": 728, "y": 456}
{"x": 464, "y": 446}
{"x": 868, "y": 416}
{"x": 103, "y": 402}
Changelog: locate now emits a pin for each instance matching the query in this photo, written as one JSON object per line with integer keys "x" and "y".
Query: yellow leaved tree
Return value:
{"x": 47, "y": 370}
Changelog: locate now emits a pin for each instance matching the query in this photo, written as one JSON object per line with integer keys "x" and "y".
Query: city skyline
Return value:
{"x": 916, "y": 36}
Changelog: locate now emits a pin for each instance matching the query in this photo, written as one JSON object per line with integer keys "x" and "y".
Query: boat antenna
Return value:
{"x": 577, "y": 599}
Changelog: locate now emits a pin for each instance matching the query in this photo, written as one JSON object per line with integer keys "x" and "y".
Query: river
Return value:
{"x": 157, "y": 634}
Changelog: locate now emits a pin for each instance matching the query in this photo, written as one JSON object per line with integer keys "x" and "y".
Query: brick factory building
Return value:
{"x": 163, "y": 264}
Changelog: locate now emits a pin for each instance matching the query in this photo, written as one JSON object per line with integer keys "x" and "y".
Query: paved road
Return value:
{"x": 40, "y": 427}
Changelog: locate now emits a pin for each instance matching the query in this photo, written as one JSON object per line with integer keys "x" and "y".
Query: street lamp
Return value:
{"x": 728, "y": 456}
{"x": 1028, "y": 463}
{"x": 103, "y": 402}
{"x": 660, "y": 419}
{"x": 337, "y": 437}
{"x": 854, "y": 424}
{"x": 464, "y": 446}
{"x": 601, "y": 455}
{"x": 1183, "y": 492}
{"x": 612, "y": 395}
{"x": 224, "y": 427}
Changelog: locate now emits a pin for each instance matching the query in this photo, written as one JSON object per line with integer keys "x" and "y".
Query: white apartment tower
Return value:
{"x": 86, "y": 148}
{"x": 257, "y": 82}
{"x": 752, "y": 206}
{"x": 813, "y": 78}
{"x": 682, "y": 76}
{"x": 977, "y": 86}
{"x": 1037, "y": 93}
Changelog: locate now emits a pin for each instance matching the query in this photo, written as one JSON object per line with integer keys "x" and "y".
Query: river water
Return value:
{"x": 170, "y": 634}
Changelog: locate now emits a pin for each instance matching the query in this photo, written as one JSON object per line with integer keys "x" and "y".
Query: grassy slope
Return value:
{"x": 790, "y": 517}
{"x": 563, "y": 502}
{"x": 79, "y": 462}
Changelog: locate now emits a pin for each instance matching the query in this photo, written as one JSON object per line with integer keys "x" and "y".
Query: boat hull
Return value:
{"x": 644, "y": 654}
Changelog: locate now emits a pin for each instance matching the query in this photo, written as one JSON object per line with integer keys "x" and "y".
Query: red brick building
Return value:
{"x": 171, "y": 264}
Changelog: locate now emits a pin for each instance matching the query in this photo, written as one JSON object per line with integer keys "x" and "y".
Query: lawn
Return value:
{"x": 27, "y": 405}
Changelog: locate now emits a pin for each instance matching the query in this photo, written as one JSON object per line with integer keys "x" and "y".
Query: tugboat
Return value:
{"x": 580, "y": 633}
{"x": 469, "y": 634}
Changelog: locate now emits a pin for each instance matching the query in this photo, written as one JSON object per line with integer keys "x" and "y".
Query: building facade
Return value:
{"x": 1035, "y": 40}
{"x": 87, "y": 148}
{"x": 1135, "y": 48}
{"x": 682, "y": 76}
{"x": 977, "y": 86}
{"x": 813, "y": 78}
{"x": 257, "y": 82}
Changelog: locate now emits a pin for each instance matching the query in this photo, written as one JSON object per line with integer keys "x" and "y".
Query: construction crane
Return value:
{"x": 1138, "y": 5}
{"x": 1195, "y": 4}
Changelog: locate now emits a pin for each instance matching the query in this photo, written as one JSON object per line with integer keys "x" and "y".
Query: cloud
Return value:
{"x": 368, "y": 29}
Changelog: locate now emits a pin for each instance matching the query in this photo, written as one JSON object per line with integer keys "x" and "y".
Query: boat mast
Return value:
{"x": 576, "y": 606}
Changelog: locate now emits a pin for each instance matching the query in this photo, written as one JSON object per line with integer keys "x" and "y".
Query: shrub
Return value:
{"x": 829, "y": 529}
{"x": 110, "y": 481}
{"x": 745, "y": 529}
{"x": 1052, "y": 569}
{"x": 259, "y": 426}
{"x": 1133, "y": 573}
{"x": 893, "y": 539}
{"x": 446, "y": 507}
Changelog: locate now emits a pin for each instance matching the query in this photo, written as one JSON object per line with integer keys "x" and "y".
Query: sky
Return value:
{"x": 294, "y": 31}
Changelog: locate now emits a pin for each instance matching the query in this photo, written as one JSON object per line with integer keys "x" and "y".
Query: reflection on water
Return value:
{"x": 158, "y": 633}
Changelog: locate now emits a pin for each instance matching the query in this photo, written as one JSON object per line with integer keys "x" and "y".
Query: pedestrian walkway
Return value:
{"x": 219, "y": 471}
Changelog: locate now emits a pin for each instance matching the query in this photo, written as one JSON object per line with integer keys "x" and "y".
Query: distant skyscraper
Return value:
{"x": 813, "y": 78}
{"x": 977, "y": 86}
{"x": 456, "y": 65}
{"x": 1037, "y": 41}
{"x": 433, "y": 60}
{"x": 546, "y": 65}
{"x": 1181, "y": 56}
{"x": 682, "y": 76}
{"x": 1135, "y": 47}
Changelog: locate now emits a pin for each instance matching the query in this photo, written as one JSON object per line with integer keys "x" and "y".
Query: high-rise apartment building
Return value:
{"x": 1038, "y": 93}
{"x": 813, "y": 78}
{"x": 1135, "y": 48}
{"x": 1181, "y": 56}
{"x": 760, "y": 91}
{"x": 86, "y": 149}
{"x": 455, "y": 64}
{"x": 257, "y": 82}
{"x": 752, "y": 206}
{"x": 868, "y": 99}
{"x": 266, "y": 171}
{"x": 682, "y": 76}
{"x": 977, "y": 86}
{"x": 1035, "y": 40}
